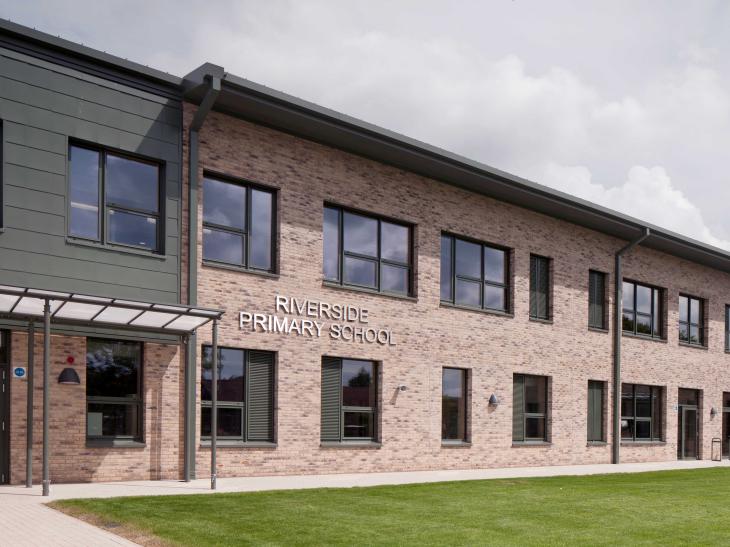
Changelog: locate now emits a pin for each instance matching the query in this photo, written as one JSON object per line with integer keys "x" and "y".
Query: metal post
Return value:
{"x": 29, "y": 409}
{"x": 214, "y": 407}
{"x": 46, "y": 387}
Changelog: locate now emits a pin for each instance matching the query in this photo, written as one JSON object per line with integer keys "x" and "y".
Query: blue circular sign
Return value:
{"x": 19, "y": 372}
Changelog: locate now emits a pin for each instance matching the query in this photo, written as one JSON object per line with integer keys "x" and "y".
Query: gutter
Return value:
{"x": 617, "y": 333}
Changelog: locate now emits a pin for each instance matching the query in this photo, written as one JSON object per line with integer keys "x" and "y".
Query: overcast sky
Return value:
{"x": 623, "y": 103}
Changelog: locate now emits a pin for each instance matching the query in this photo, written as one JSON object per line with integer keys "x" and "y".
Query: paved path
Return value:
{"x": 25, "y": 520}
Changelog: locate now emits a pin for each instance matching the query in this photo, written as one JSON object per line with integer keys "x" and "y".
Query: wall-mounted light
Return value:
{"x": 402, "y": 387}
{"x": 69, "y": 376}
{"x": 493, "y": 400}
{"x": 713, "y": 412}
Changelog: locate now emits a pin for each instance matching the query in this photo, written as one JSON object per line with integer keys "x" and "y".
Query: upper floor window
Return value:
{"x": 691, "y": 320}
{"x": 597, "y": 299}
{"x": 540, "y": 287}
{"x": 642, "y": 309}
{"x": 114, "y": 199}
{"x": 474, "y": 275}
{"x": 366, "y": 251}
{"x": 727, "y": 327}
{"x": 238, "y": 224}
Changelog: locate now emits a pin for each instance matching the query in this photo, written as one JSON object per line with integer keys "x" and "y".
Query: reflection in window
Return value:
{"x": 529, "y": 408}
{"x": 349, "y": 400}
{"x": 365, "y": 251}
{"x": 691, "y": 320}
{"x": 641, "y": 412}
{"x": 453, "y": 404}
{"x": 641, "y": 309}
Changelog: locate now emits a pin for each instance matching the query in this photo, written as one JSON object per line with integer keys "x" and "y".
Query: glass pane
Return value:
{"x": 112, "y": 368}
{"x": 230, "y": 374}
{"x": 494, "y": 298}
{"x": 360, "y": 234}
{"x": 132, "y": 183}
{"x": 643, "y": 299}
{"x": 657, "y": 317}
{"x": 643, "y": 429}
{"x": 468, "y": 259}
{"x": 261, "y": 219}
{"x": 534, "y": 428}
{"x": 657, "y": 414}
{"x": 628, "y": 321}
{"x": 222, "y": 246}
{"x": 643, "y": 402}
{"x": 494, "y": 265}
{"x": 393, "y": 279}
{"x": 453, "y": 404}
{"x": 683, "y": 308}
{"x": 627, "y": 295}
{"x": 230, "y": 422}
{"x": 358, "y": 383}
{"x": 360, "y": 271}
{"x": 643, "y": 324}
{"x": 627, "y": 429}
{"x": 627, "y": 401}
{"x": 683, "y": 332}
{"x": 84, "y": 192}
{"x": 535, "y": 394}
{"x": 132, "y": 229}
{"x": 694, "y": 310}
{"x": 3, "y": 349}
{"x": 358, "y": 425}
{"x": 694, "y": 334}
{"x": 331, "y": 230}
{"x": 468, "y": 293}
{"x": 687, "y": 397}
{"x": 394, "y": 242}
{"x": 447, "y": 290}
{"x": 112, "y": 420}
{"x": 224, "y": 203}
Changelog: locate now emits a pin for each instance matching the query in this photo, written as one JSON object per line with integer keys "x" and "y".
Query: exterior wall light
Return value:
{"x": 493, "y": 400}
{"x": 713, "y": 412}
{"x": 402, "y": 387}
{"x": 69, "y": 376}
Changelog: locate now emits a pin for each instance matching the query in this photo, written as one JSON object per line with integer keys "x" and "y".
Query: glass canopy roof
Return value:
{"x": 21, "y": 302}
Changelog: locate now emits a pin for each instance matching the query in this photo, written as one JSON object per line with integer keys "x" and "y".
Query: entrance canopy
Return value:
{"x": 74, "y": 308}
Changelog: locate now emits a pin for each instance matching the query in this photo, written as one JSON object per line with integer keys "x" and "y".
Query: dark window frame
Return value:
{"x": 506, "y": 285}
{"x": 727, "y": 327}
{"x": 604, "y": 299}
{"x": 138, "y": 400}
{"x": 689, "y": 323}
{"x": 105, "y": 207}
{"x": 249, "y": 186}
{"x": 2, "y": 175}
{"x": 466, "y": 400}
{"x": 653, "y": 420}
{"x": 656, "y": 293}
{"x": 549, "y": 291}
{"x": 410, "y": 266}
{"x": 539, "y": 415}
{"x": 591, "y": 435}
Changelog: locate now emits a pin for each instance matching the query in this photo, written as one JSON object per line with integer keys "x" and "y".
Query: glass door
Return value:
{"x": 688, "y": 440}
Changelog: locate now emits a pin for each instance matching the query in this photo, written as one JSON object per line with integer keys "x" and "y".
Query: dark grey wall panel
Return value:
{"x": 43, "y": 107}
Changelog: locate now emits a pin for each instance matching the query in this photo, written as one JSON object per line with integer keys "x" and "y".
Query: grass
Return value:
{"x": 668, "y": 508}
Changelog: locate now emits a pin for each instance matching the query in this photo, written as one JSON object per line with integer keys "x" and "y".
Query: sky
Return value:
{"x": 623, "y": 103}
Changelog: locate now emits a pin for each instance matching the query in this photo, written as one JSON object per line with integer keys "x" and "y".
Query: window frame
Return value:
{"x": 727, "y": 327}
{"x": 138, "y": 401}
{"x": 601, "y": 437}
{"x": 549, "y": 292}
{"x": 378, "y": 261}
{"x": 700, "y": 324}
{"x": 248, "y": 186}
{"x": 656, "y": 292}
{"x": 604, "y": 299}
{"x": 651, "y": 419}
{"x": 104, "y": 207}
{"x": 505, "y": 286}
{"x": 540, "y": 415}
{"x": 465, "y": 398}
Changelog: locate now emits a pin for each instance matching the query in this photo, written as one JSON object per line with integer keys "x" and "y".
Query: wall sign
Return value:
{"x": 314, "y": 319}
{"x": 19, "y": 372}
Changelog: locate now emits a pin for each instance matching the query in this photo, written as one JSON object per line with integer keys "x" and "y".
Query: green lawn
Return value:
{"x": 670, "y": 507}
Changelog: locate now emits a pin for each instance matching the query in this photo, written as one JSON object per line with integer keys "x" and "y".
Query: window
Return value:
{"x": 596, "y": 299}
{"x": 474, "y": 274}
{"x": 113, "y": 390}
{"x": 2, "y": 173}
{"x": 453, "y": 404}
{"x": 529, "y": 408}
{"x": 539, "y": 287}
{"x": 691, "y": 320}
{"x": 596, "y": 415}
{"x": 641, "y": 413}
{"x": 238, "y": 225}
{"x": 727, "y": 328}
{"x": 114, "y": 199}
{"x": 365, "y": 251}
{"x": 245, "y": 395}
{"x": 642, "y": 309}
{"x": 349, "y": 400}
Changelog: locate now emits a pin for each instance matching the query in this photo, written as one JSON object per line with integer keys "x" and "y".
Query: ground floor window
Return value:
{"x": 245, "y": 398}
{"x": 113, "y": 390}
{"x": 641, "y": 413}
{"x": 349, "y": 400}
{"x": 596, "y": 412}
{"x": 529, "y": 403}
{"x": 453, "y": 404}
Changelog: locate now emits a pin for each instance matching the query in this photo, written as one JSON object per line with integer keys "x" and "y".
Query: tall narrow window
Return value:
{"x": 474, "y": 274}
{"x": 113, "y": 390}
{"x": 539, "y": 287}
{"x": 642, "y": 309}
{"x": 727, "y": 328}
{"x": 691, "y": 320}
{"x": 114, "y": 198}
{"x": 366, "y": 251}
{"x": 529, "y": 408}
{"x": 641, "y": 413}
{"x": 245, "y": 395}
{"x": 2, "y": 173}
{"x": 238, "y": 225}
{"x": 596, "y": 415}
{"x": 596, "y": 299}
{"x": 454, "y": 404}
{"x": 349, "y": 400}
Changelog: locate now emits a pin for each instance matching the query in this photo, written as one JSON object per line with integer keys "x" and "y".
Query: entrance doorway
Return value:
{"x": 688, "y": 434}
{"x": 726, "y": 425}
{"x": 4, "y": 407}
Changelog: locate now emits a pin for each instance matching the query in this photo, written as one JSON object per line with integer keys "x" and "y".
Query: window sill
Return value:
{"x": 234, "y": 268}
{"x": 365, "y": 290}
{"x": 455, "y": 444}
{"x": 477, "y": 310}
{"x": 643, "y": 443}
{"x": 227, "y": 443}
{"x": 114, "y": 248}
{"x": 596, "y": 443}
{"x": 643, "y": 337}
{"x": 693, "y": 346}
{"x": 540, "y": 320}
{"x": 350, "y": 444}
{"x": 598, "y": 329}
{"x": 521, "y": 444}
{"x": 114, "y": 443}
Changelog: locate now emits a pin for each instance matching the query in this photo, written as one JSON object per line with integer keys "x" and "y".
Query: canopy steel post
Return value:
{"x": 46, "y": 387}
{"x": 214, "y": 407}
{"x": 29, "y": 409}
